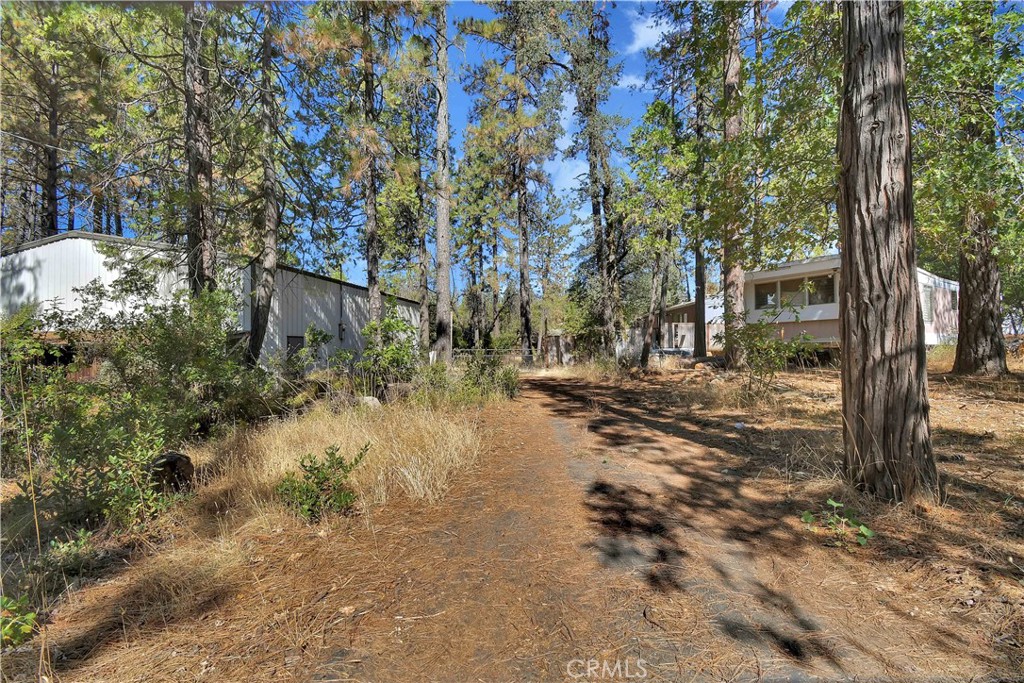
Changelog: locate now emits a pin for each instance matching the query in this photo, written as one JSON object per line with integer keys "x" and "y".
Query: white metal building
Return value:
{"x": 47, "y": 271}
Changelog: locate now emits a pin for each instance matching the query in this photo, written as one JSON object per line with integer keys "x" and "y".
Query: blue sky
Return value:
{"x": 632, "y": 30}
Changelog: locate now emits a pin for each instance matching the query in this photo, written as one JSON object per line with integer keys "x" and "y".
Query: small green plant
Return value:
{"x": 507, "y": 381}
{"x": 486, "y": 374}
{"x": 391, "y": 360}
{"x": 17, "y": 622}
{"x": 840, "y": 522}
{"x": 323, "y": 486}
{"x": 72, "y": 556}
{"x": 765, "y": 351}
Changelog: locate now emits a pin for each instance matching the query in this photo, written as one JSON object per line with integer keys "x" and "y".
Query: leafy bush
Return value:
{"x": 507, "y": 381}
{"x": 488, "y": 376}
{"x": 100, "y": 448}
{"x": 391, "y": 360}
{"x": 482, "y": 378}
{"x": 323, "y": 487}
{"x": 166, "y": 374}
{"x": 840, "y": 522}
{"x": 298, "y": 363}
{"x": 17, "y": 623}
{"x": 25, "y": 379}
{"x": 766, "y": 352}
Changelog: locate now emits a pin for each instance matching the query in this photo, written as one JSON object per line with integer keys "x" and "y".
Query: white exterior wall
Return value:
{"x": 812, "y": 268}
{"x": 940, "y": 329}
{"x": 355, "y": 314}
{"x": 49, "y": 273}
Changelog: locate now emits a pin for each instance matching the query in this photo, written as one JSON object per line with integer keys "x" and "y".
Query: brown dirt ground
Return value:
{"x": 610, "y": 521}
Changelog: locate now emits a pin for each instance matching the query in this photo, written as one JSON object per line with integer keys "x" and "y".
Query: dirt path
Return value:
{"x": 606, "y": 534}
{"x": 601, "y": 527}
{"x": 507, "y": 592}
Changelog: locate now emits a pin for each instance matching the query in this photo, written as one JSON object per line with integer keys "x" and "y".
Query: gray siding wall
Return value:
{"x": 49, "y": 273}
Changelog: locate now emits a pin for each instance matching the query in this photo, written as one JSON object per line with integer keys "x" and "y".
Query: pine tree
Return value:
{"x": 515, "y": 90}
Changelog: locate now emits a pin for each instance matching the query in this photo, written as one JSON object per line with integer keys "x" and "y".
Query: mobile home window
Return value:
{"x": 793, "y": 293}
{"x": 821, "y": 290}
{"x": 927, "y": 302}
{"x": 954, "y": 300}
{"x": 766, "y": 295}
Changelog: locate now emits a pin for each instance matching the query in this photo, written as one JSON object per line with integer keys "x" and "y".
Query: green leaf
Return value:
{"x": 807, "y": 517}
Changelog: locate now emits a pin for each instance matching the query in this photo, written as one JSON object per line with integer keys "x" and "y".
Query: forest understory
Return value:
{"x": 652, "y": 521}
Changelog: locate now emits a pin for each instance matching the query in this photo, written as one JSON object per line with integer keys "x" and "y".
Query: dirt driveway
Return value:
{"x": 605, "y": 537}
{"x": 608, "y": 532}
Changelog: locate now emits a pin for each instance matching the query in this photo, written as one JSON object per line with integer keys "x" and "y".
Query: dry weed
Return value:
{"x": 414, "y": 450}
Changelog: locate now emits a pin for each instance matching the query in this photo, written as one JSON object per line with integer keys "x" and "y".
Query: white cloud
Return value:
{"x": 566, "y": 174}
{"x": 628, "y": 81}
{"x": 646, "y": 32}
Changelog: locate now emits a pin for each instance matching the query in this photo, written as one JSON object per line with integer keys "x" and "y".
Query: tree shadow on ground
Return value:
{"x": 648, "y": 524}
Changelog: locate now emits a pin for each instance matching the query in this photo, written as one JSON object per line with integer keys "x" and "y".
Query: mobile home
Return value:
{"x": 802, "y": 298}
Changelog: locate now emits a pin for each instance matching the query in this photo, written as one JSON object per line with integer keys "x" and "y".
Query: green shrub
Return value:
{"x": 488, "y": 377}
{"x": 47, "y": 575}
{"x": 25, "y": 387}
{"x": 99, "y": 452}
{"x": 507, "y": 381}
{"x": 323, "y": 486}
{"x": 766, "y": 353}
{"x": 17, "y": 623}
{"x": 393, "y": 359}
{"x": 167, "y": 374}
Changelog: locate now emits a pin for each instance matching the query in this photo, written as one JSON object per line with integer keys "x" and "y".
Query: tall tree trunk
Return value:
{"x": 700, "y": 322}
{"x": 52, "y": 166}
{"x": 700, "y": 326}
{"x": 422, "y": 255}
{"x": 732, "y": 231}
{"x": 652, "y": 309}
{"x": 610, "y": 273}
{"x": 264, "y": 271}
{"x": 118, "y": 225}
{"x": 980, "y": 347}
{"x": 522, "y": 223}
{"x": 97, "y": 214}
{"x": 757, "y": 230}
{"x": 72, "y": 197}
{"x": 597, "y": 176}
{"x": 659, "y": 335}
{"x": 199, "y": 223}
{"x": 371, "y": 235}
{"x": 480, "y": 336}
{"x": 887, "y": 441}
{"x": 496, "y": 288}
{"x": 443, "y": 247}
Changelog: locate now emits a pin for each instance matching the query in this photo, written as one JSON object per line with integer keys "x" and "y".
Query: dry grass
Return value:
{"x": 607, "y": 372}
{"x": 231, "y": 554}
{"x": 414, "y": 451}
{"x": 940, "y": 359}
